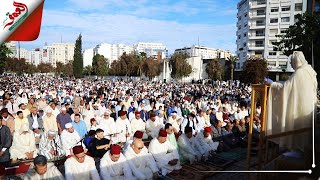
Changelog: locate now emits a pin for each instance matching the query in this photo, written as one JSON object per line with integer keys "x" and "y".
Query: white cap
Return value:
{"x": 160, "y": 112}
{"x": 68, "y": 125}
{"x": 63, "y": 109}
{"x": 51, "y": 132}
{"x": 49, "y": 111}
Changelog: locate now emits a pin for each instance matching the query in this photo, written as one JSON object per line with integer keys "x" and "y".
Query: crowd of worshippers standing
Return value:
{"x": 109, "y": 121}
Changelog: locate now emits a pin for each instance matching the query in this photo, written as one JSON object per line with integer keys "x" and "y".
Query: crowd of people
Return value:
{"x": 119, "y": 129}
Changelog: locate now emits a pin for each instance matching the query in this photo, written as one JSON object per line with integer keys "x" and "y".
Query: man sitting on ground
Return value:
{"x": 141, "y": 162}
{"x": 165, "y": 154}
{"x": 41, "y": 169}
{"x": 80, "y": 166}
{"x": 114, "y": 165}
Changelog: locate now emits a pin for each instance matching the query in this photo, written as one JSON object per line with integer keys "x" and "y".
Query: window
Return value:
{"x": 245, "y": 15}
{"x": 274, "y": 20}
{"x": 245, "y": 25}
{"x": 282, "y": 63}
{"x": 244, "y": 54}
{"x": 245, "y": 34}
{"x": 273, "y": 31}
{"x": 272, "y": 53}
{"x": 261, "y": 12}
{"x": 286, "y": 8}
{"x": 239, "y": 27}
{"x": 260, "y": 2}
{"x": 239, "y": 37}
{"x": 239, "y": 18}
{"x": 285, "y": 19}
{"x": 283, "y": 31}
{"x": 260, "y": 23}
{"x": 259, "y": 44}
{"x": 258, "y": 52}
{"x": 298, "y": 7}
{"x": 259, "y": 33}
{"x": 271, "y": 63}
{"x": 274, "y": 9}
{"x": 244, "y": 44}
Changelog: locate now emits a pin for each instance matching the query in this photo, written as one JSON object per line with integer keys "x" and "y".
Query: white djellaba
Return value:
{"x": 291, "y": 104}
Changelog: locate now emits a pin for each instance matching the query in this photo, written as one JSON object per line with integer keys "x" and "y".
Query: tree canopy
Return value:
{"x": 215, "y": 70}
{"x": 254, "y": 71}
{"x": 100, "y": 65}
{"x": 78, "y": 58}
{"x": 180, "y": 67}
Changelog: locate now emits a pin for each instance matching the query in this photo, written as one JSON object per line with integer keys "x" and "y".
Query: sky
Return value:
{"x": 176, "y": 23}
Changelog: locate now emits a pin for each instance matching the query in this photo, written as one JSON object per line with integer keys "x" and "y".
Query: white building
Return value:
{"x": 112, "y": 51}
{"x": 87, "y": 57}
{"x": 204, "y": 52}
{"x": 259, "y": 21}
{"x": 24, "y": 53}
{"x": 35, "y": 56}
{"x": 156, "y": 50}
{"x": 58, "y": 52}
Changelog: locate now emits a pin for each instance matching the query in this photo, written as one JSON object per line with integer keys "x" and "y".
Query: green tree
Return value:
{"x": 68, "y": 69}
{"x": 4, "y": 53}
{"x": 215, "y": 70}
{"x": 45, "y": 68}
{"x": 151, "y": 68}
{"x": 180, "y": 67}
{"x": 59, "y": 68}
{"x": 100, "y": 65}
{"x": 232, "y": 61}
{"x": 254, "y": 71}
{"x": 78, "y": 58}
{"x": 87, "y": 70}
{"x": 302, "y": 36}
{"x": 31, "y": 68}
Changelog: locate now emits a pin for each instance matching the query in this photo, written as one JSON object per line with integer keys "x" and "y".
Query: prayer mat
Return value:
{"x": 199, "y": 167}
{"x": 234, "y": 154}
{"x": 184, "y": 174}
{"x": 219, "y": 162}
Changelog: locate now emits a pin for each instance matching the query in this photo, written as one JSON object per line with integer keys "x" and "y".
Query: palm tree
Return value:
{"x": 232, "y": 60}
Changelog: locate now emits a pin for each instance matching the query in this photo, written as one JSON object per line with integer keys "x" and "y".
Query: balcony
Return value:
{"x": 256, "y": 36}
{"x": 254, "y": 5}
{"x": 257, "y": 15}
{"x": 256, "y": 47}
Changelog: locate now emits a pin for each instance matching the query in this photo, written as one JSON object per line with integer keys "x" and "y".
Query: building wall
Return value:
{"x": 259, "y": 21}
{"x": 204, "y": 52}
{"x": 87, "y": 57}
{"x": 112, "y": 51}
{"x": 155, "y": 50}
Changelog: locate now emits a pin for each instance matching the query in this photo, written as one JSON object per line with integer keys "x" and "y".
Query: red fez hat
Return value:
{"x": 152, "y": 115}
{"x": 122, "y": 113}
{"x": 115, "y": 149}
{"x": 77, "y": 149}
{"x": 163, "y": 133}
{"x": 187, "y": 130}
{"x": 207, "y": 129}
{"x": 137, "y": 113}
{"x": 92, "y": 119}
{"x": 138, "y": 134}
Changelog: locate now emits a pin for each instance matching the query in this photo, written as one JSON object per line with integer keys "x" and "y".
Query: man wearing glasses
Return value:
{"x": 141, "y": 162}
